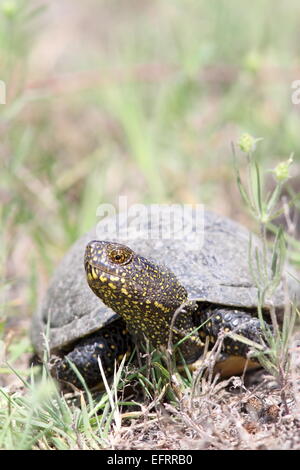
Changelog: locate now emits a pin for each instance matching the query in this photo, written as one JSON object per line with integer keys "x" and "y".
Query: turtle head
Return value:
{"x": 145, "y": 294}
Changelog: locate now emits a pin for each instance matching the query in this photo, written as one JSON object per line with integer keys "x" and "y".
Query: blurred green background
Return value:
{"x": 135, "y": 98}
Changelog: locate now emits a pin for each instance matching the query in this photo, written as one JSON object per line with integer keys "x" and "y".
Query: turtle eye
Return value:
{"x": 120, "y": 255}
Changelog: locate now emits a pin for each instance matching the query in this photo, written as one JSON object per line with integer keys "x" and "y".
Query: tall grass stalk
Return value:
{"x": 267, "y": 261}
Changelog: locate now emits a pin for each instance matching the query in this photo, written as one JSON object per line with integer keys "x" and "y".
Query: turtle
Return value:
{"x": 113, "y": 289}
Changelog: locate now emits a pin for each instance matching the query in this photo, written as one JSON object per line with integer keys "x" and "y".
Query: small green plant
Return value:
{"x": 268, "y": 262}
{"x": 41, "y": 417}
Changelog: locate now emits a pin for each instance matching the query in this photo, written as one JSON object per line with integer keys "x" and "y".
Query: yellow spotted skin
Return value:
{"x": 228, "y": 320}
{"x": 147, "y": 295}
{"x": 109, "y": 344}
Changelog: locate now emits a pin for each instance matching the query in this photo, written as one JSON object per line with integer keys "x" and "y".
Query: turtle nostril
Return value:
{"x": 91, "y": 250}
{"x": 93, "y": 245}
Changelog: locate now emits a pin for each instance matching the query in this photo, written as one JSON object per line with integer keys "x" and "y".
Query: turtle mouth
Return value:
{"x": 90, "y": 267}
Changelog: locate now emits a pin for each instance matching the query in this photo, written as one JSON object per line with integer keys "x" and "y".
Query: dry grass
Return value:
{"x": 221, "y": 415}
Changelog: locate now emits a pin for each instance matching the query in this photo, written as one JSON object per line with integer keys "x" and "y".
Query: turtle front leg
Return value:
{"x": 110, "y": 344}
{"x": 228, "y": 319}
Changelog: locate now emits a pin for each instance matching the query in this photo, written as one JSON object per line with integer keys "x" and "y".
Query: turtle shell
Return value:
{"x": 214, "y": 270}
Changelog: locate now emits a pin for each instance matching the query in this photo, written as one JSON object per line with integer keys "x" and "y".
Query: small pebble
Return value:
{"x": 254, "y": 407}
{"x": 251, "y": 427}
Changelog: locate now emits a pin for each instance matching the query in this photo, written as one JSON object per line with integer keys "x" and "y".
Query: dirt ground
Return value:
{"x": 227, "y": 414}
{"x": 255, "y": 413}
